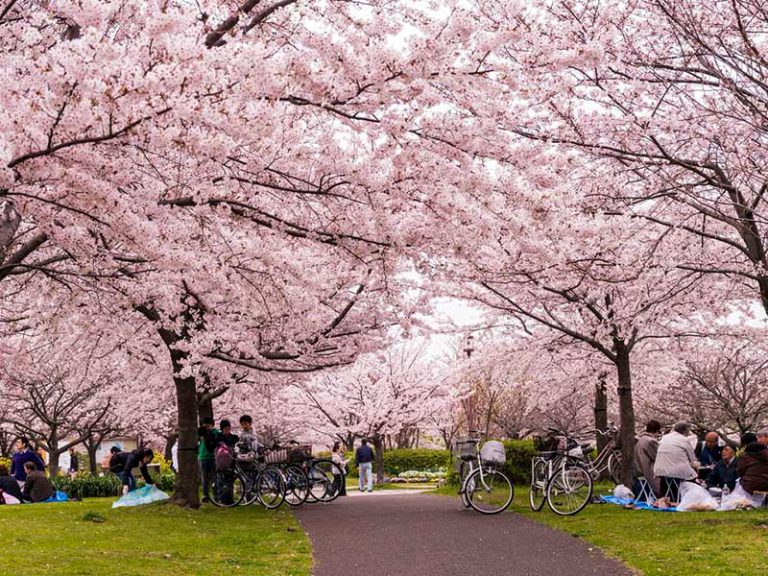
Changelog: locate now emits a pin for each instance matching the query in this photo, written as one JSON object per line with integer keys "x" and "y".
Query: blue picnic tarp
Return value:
{"x": 638, "y": 505}
{"x": 145, "y": 495}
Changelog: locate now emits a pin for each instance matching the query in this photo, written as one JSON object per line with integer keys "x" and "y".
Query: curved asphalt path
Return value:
{"x": 389, "y": 534}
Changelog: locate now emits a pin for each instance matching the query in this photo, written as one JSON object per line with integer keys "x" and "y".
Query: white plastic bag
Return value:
{"x": 695, "y": 498}
{"x": 741, "y": 499}
{"x": 141, "y": 496}
{"x": 623, "y": 493}
{"x": 493, "y": 452}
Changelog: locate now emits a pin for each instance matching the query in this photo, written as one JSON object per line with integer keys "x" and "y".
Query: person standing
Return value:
{"x": 74, "y": 463}
{"x": 23, "y": 455}
{"x": 364, "y": 457}
{"x": 207, "y": 437}
{"x": 337, "y": 457}
{"x": 248, "y": 437}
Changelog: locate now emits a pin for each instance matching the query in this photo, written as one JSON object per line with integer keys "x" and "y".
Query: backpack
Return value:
{"x": 223, "y": 457}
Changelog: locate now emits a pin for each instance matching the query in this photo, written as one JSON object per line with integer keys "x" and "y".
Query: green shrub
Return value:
{"x": 403, "y": 459}
{"x": 6, "y": 461}
{"x": 86, "y": 485}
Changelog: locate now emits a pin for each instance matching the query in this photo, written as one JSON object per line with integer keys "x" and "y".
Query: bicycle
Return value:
{"x": 248, "y": 481}
{"x": 484, "y": 488}
{"x": 559, "y": 479}
{"x": 608, "y": 460}
{"x": 264, "y": 483}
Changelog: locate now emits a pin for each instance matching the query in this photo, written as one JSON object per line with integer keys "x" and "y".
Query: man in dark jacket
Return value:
{"x": 8, "y": 484}
{"x": 123, "y": 464}
{"x": 23, "y": 455}
{"x": 74, "y": 463}
{"x": 207, "y": 440}
{"x": 37, "y": 487}
{"x": 724, "y": 472}
{"x": 752, "y": 468}
{"x": 364, "y": 457}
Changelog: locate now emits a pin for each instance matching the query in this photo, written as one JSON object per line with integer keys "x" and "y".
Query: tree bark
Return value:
{"x": 205, "y": 408}
{"x": 185, "y": 491}
{"x": 601, "y": 411}
{"x": 626, "y": 412}
{"x": 378, "y": 447}
{"x": 92, "y": 448}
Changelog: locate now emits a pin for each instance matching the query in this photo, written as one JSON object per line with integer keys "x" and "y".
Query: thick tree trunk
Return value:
{"x": 186, "y": 492}
{"x": 626, "y": 412}
{"x": 53, "y": 462}
{"x": 378, "y": 447}
{"x": 205, "y": 409}
{"x": 601, "y": 411}
{"x": 92, "y": 448}
{"x": 170, "y": 440}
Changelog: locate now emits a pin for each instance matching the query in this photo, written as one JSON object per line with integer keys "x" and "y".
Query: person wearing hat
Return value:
{"x": 207, "y": 437}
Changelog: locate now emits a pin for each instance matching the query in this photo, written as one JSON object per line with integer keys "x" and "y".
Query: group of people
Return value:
{"x": 26, "y": 480}
{"x": 665, "y": 461}
{"x": 217, "y": 447}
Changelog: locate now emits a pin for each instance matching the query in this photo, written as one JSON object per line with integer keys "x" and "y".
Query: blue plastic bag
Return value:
{"x": 141, "y": 496}
{"x": 57, "y": 497}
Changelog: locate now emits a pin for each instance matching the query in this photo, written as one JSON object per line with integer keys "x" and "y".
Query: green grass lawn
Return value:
{"x": 668, "y": 544}
{"x": 161, "y": 539}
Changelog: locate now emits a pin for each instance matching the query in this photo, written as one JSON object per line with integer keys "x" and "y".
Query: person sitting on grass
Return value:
{"x": 675, "y": 460}
{"x": 37, "y": 487}
{"x": 123, "y": 464}
{"x": 762, "y": 437}
{"x": 645, "y": 456}
{"x": 724, "y": 472}
{"x": 752, "y": 468}
{"x": 8, "y": 484}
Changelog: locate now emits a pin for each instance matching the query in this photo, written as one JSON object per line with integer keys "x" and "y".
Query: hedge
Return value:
{"x": 86, "y": 485}
{"x": 403, "y": 459}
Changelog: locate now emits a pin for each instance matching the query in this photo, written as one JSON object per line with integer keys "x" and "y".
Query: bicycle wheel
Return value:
{"x": 466, "y": 468}
{"x": 614, "y": 467}
{"x": 324, "y": 480}
{"x": 270, "y": 488}
{"x": 569, "y": 489}
{"x": 537, "y": 493}
{"x": 229, "y": 489}
{"x": 489, "y": 491}
{"x": 296, "y": 485}
{"x": 251, "y": 494}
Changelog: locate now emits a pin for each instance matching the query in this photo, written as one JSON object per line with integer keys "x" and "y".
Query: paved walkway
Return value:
{"x": 401, "y": 534}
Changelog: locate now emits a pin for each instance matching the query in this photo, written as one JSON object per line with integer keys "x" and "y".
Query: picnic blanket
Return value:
{"x": 144, "y": 495}
{"x": 57, "y": 497}
{"x": 638, "y": 505}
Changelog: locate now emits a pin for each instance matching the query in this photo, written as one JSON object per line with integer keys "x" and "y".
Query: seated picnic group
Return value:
{"x": 26, "y": 480}
{"x": 662, "y": 463}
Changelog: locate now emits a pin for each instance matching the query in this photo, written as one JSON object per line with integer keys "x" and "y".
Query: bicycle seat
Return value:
{"x": 587, "y": 447}
{"x": 467, "y": 457}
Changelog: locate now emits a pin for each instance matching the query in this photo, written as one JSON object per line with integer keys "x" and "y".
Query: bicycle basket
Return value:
{"x": 277, "y": 456}
{"x": 300, "y": 453}
{"x": 493, "y": 452}
{"x": 545, "y": 443}
{"x": 464, "y": 449}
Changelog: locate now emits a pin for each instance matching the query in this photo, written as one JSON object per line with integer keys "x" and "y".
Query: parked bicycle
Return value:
{"x": 559, "y": 478}
{"x": 483, "y": 486}
{"x": 248, "y": 480}
{"x": 607, "y": 463}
